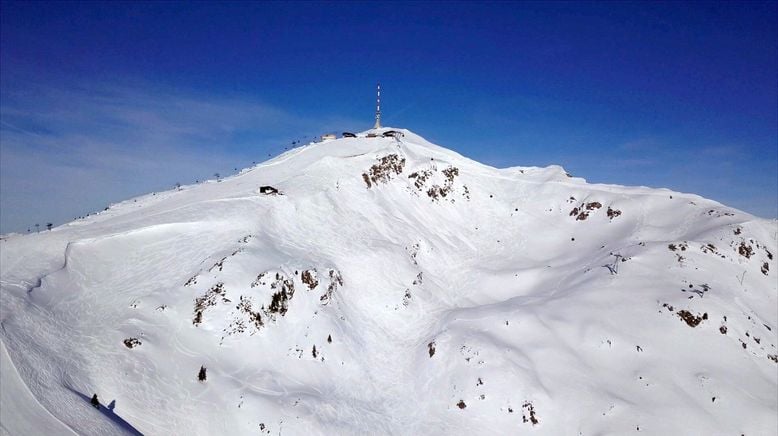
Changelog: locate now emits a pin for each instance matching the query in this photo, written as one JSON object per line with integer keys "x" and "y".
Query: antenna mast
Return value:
{"x": 378, "y": 107}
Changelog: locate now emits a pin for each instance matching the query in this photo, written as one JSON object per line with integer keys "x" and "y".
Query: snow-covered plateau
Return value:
{"x": 392, "y": 286}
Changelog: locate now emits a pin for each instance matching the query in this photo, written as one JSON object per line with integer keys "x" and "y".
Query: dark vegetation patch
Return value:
{"x": 450, "y": 173}
{"x": 284, "y": 291}
{"x": 336, "y": 280}
{"x": 413, "y": 252}
{"x": 258, "y": 280}
{"x": 420, "y": 178}
{"x": 582, "y": 212}
{"x": 709, "y": 249}
{"x": 436, "y": 191}
{"x": 191, "y": 281}
{"x": 407, "y": 298}
{"x": 613, "y": 213}
{"x": 723, "y": 330}
{"x": 745, "y": 250}
{"x": 132, "y": 342}
{"x": 279, "y": 286}
{"x": 431, "y": 348}
{"x": 765, "y": 268}
{"x": 383, "y": 171}
{"x": 682, "y": 246}
{"x": 254, "y": 317}
{"x": 529, "y": 413}
{"x": 699, "y": 290}
{"x": 718, "y": 214}
{"x": 219, "y": 264}
{"x": 308, "y": 277}
{"x": 207, "y": 300}
{"x": 690, "y": 319}
{"x": 461, "y": 404}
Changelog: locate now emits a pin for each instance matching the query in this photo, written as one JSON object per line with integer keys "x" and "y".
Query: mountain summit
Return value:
{"x": 386, "y": 285}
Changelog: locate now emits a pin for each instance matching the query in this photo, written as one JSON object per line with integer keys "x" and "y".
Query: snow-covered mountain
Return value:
{"x": 392, "y": 286}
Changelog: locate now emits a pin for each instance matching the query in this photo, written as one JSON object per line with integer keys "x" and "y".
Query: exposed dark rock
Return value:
{"x": 529, "y": 413}
{"x": 308, "y": 277}
{"x": 132, "y": 342}
{"x": 206, "y": 301}
{"x": 383, "y": 171}
{"x": 268, "y": 190}
{"x": 692, "y": 320}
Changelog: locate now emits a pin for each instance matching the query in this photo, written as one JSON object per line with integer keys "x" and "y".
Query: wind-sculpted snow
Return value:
{"x": 394, "y": 287}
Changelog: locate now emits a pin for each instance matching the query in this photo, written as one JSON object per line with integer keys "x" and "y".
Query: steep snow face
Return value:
{"x": 392, "y": 286}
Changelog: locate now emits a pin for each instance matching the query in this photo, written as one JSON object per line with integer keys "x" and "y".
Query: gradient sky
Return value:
{"x": 103, "y": 101}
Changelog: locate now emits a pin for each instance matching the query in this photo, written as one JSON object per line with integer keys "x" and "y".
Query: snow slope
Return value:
{"x": 394, "y": 287}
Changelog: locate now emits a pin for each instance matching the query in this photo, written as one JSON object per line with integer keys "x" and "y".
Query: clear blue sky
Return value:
{"x": 103, "y": 101}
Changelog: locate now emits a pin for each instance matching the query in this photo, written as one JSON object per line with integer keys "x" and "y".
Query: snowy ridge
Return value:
{"x": 393, "y": 286}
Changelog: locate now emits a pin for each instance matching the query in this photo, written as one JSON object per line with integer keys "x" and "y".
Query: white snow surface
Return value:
{"x": 447, "y": 297}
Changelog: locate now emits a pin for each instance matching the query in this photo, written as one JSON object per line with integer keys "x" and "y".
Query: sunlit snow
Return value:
{"x": 392, "y": 286}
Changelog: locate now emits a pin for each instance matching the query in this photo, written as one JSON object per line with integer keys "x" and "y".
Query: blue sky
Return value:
{"x": 103, "y": 101}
